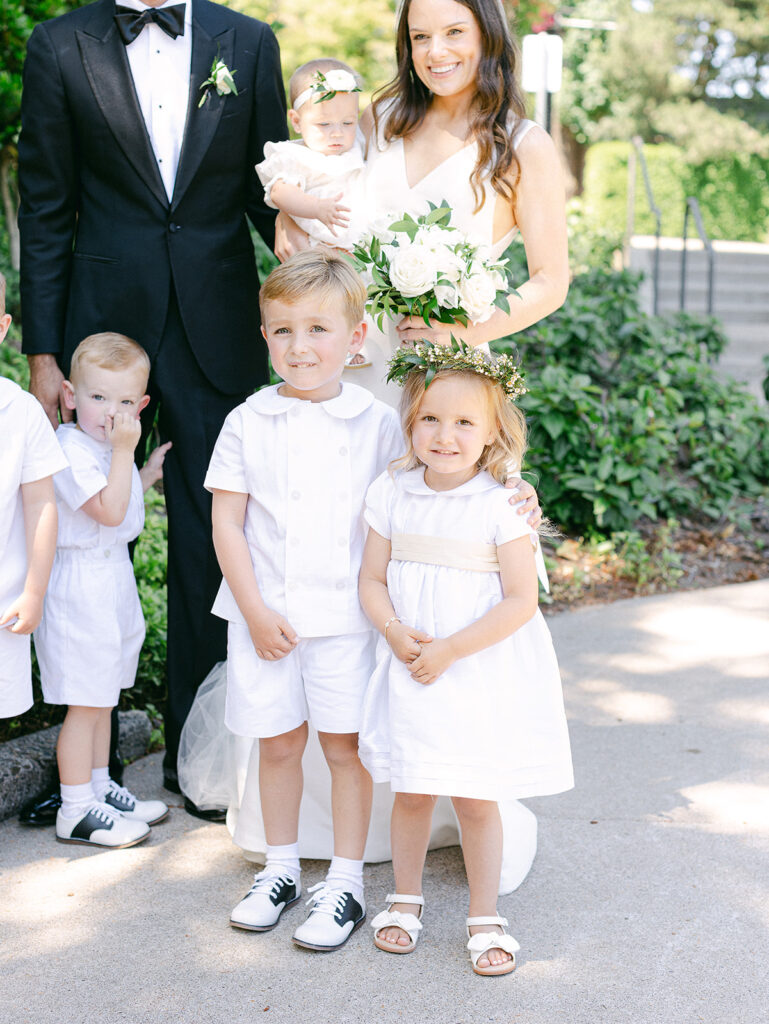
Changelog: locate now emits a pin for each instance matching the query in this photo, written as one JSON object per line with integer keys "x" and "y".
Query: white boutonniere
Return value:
{"x": 221, "y": 79}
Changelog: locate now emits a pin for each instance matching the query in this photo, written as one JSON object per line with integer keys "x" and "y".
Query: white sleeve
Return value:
{"x": 81, "y": 480}
{"x": 378, "y": 504}
{"x": 282, "y": 162}
{"x": 227, "y": 470}
{"x": 508, "y": 525}
{"x": 42, "y": 453}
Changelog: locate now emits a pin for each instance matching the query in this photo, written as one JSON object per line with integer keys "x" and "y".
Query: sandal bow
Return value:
{"x": 409, "y": 922}
{"x": 482, "y": 942}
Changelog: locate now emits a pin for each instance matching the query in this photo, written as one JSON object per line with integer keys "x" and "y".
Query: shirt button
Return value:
{"x": 340, "y": 584}
{"x": 295, "y": 411}
{"x": 107, "y": 553}
{"x": 343, "y": 450}
{"x": 296, "y": 495}
{"x": 294, "y": 542}
{"x": 342, "y": 541}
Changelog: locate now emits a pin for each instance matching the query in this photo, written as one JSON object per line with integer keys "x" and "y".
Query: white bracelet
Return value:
{"x": 393, "y": 618}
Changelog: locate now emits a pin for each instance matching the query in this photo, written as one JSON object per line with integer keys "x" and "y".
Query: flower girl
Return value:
{"x": 466, "y": 698}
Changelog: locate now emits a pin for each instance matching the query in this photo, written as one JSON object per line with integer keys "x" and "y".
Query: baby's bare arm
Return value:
{"x": 291, "y": 199}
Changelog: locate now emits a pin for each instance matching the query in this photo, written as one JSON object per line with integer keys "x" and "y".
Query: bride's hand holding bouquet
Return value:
{"x": 429, "y": 276}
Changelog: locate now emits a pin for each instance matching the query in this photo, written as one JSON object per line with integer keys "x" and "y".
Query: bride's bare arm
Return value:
{"x": 541, "y": 217}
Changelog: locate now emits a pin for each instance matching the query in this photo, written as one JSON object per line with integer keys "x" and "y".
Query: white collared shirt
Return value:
{"x": 160, "y": 67}
{"x": 306, "y": 467}
{"x": 28, "y": 452}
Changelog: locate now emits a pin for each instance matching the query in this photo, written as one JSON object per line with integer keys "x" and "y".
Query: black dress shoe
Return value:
{"x": 171, "y": 780}
{"x": 41, "y": 810}
{"x": 217, "y": 814}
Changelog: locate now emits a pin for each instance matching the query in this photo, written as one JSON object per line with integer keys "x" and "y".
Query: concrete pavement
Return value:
{"x": 648, "y": 901}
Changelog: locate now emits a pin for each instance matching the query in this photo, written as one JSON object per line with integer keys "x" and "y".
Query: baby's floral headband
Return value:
{"x": 325, "y": 87}
{"x": 431, "y": 359}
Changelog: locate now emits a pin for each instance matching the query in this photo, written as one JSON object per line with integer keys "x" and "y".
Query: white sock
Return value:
{"x": 75, "y": 800}
{"x": 100, "y": 782}
{"x": 346, "y": 875}
{"x": 284, "y": 859}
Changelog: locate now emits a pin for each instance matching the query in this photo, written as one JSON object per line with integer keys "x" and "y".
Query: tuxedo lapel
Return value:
{"x": 210, "y": 41}
{"x": 106, "y": 65}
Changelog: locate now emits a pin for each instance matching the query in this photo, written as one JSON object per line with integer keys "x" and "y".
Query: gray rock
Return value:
{"x": 28, "y": 764}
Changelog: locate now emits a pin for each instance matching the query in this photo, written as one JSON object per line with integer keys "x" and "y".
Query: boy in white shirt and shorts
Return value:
{"x": 29, "y": 456}
{"x": 289, "y": 475}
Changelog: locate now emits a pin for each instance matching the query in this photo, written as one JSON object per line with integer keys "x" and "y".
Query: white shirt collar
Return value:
{"x": 350, "y": 402}
{"x": 413, "y": 481}
{"x": 137, "y": 5}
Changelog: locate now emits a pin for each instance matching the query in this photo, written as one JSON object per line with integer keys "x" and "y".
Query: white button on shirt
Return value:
{"x": 273, "y": 448}
{"x": 160, "y": 67}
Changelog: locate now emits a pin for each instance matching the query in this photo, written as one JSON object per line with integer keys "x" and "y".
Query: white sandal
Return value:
{"x": 480, "y": 943}
{"x": 410, "y": 923}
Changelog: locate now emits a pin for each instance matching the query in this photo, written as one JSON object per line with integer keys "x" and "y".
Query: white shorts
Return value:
{"x": 15, "y": 674}
{"x": 89, "y": 641}
{"x": 322, "y": 680}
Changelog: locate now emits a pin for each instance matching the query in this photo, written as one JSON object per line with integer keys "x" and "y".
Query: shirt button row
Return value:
{"x": 340, "y": 585}
{"x": 343, "y": 450}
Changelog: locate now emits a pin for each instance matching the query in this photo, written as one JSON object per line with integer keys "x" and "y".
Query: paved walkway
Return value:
{"x": 648, "y": 901}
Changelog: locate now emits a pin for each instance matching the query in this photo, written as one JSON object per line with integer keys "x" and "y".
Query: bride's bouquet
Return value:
{"x": 425, "y": 267}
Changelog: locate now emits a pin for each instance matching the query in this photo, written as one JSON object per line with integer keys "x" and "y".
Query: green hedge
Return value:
{"x": 733, "y": 192}
{"x": 629, "y": 416}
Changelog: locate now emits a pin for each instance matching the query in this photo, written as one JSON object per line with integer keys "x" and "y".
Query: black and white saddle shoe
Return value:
{"x": 333, "y": 918}
{"x": 152, "y": 812}
{"x": 101, "y": 826}
{"x": 268, "y": 897}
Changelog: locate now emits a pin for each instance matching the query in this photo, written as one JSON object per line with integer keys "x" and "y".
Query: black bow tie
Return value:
{"x": 131, "y": 22}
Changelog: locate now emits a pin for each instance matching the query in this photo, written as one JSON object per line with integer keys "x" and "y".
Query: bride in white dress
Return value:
{"x": 450, "y": 126}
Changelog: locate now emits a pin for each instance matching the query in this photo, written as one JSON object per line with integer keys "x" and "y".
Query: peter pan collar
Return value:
{"x": 349, "y": 403}
{"x": 413, "y": 481}
{"x": 9, "y": 390}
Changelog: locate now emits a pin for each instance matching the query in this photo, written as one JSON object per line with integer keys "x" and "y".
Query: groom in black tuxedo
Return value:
{"x": 134, "y": 197}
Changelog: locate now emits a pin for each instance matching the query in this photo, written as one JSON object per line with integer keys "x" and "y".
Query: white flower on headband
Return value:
{"x": 325, "y": 87}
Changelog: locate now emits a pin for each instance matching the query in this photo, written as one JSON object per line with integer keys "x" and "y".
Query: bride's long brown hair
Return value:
{"x": 406, "y": 98}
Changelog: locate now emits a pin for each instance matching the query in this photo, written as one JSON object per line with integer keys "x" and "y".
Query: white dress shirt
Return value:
{"x": 306, "y": 467}
{"x": 160, "y": 67}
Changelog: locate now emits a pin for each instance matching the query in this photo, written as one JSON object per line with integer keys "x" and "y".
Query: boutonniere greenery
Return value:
{"x": 221, "y": 79}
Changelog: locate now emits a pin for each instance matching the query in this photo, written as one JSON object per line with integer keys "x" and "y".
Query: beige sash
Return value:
{"x": 455, "y": 554}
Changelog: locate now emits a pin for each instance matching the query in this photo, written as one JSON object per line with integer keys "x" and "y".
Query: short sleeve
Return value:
{"x": 508, "y": 525}
{"x": 42, "y": 453}
{"x": 226, "y": 470}
{"x": 379, "y": 499}
{"x": 282, "y": 162}
{"x": 82, "y": 478}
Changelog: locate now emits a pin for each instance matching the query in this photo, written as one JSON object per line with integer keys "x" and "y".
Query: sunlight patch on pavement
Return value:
{"x": 698, "y": 634}
{"x": 637, "y": 707}
{"x": 726, "y": 807}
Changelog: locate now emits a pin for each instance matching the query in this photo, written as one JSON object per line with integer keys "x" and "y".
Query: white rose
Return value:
{"x": 223, "y": 80}
{"x": 477, "y": 293}
{"x": 413, "y": 271}
{"x": 447, "y": 296}
{"x": 339, "y": 80}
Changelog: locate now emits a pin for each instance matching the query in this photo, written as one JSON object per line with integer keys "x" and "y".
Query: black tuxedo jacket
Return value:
{"x": 101, "y": 243}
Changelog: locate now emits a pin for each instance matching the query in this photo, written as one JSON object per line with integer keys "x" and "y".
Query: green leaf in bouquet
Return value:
{"x": 438, "y": 215}
{"x": 501, "y": 302}
{"x": 378, "y": 277}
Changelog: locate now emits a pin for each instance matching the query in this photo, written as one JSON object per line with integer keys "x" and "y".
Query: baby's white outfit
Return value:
{"x": 28, "y": 452}
{"x": 89, "y": 640}
{"x": 318, "y": 174}
{"x": 493, "y": 726}
{"x": 305, "y": 467}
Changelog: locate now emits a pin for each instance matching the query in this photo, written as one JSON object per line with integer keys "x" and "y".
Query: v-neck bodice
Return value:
{"x": 388, "y": 193}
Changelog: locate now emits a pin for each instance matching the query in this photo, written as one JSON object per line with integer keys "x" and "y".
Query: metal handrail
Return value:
{"x": 637, "y": 153}
{"x": 693, "y": 207}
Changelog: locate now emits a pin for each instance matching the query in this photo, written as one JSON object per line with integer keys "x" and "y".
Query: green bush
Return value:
{"x": 627, "y": 416}
{"x": 150, "y": 559}
{"x": 733, "y": 192}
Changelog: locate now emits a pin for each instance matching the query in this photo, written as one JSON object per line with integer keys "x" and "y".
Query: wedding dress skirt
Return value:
{"x": 218, "y": 769}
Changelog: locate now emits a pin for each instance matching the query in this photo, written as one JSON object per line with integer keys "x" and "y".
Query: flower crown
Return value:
{"x": 325, "y": 87}
{"x": 430, "y": 358}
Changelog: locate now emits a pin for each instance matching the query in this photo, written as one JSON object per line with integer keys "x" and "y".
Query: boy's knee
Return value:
{"x": 288, "y": 746}
{"x": 415, "y": 802}
{"x": 340, "y": 749}
{"x": 470, "y": 810}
